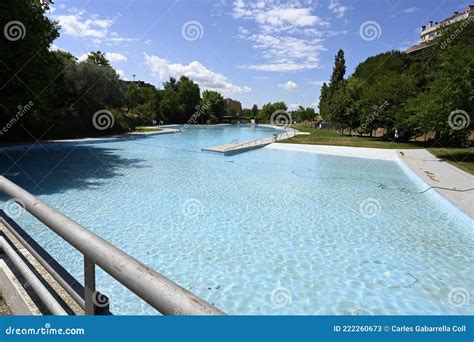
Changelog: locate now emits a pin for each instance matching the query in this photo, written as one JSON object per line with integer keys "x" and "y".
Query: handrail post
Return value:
{"x": 89, "y": 286}
{"x": 160, "y": 292}
{"x": 96, "y": 303}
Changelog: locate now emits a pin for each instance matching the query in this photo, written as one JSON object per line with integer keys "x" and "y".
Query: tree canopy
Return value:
{"x": 410, "y": 94}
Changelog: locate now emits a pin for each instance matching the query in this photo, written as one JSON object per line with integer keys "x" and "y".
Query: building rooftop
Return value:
{"x": 434, "y": 29}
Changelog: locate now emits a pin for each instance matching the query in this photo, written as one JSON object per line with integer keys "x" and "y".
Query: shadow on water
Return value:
{"x": 49, "y": 169}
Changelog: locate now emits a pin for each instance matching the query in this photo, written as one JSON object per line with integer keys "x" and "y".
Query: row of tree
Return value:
{"x": 50, "y": 94}
{"x": 430, "y": 92}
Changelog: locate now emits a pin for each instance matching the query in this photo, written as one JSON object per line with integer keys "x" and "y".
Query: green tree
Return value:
{"x": 98, "y": 58}
{"x": 254, "y": 110}
{"x": 303, "y": 114}
{"x": 324, "y": 101}
{"x": 450, "y": 88}
{"x": 27, "y": 65}
{"x": 338, "y": 72}
{"x": 179, "y": 100}
{"x": 269, "y": 108}
{"x": 332, "y": 94}
{"x": 212, "y": 106}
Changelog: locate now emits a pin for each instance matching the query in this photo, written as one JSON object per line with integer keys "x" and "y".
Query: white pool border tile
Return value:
{"x": 345, "y": 151}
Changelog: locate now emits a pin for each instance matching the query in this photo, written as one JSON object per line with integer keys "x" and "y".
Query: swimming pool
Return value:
{"x": 264, "y": 232}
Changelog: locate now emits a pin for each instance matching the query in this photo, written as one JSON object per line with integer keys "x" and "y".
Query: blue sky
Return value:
{"x": 252, "y": 51}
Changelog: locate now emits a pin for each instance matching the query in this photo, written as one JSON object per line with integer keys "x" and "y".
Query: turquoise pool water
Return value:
{"x": 264, "y": 232}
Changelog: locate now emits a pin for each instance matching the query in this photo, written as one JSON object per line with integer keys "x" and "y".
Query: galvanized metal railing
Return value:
{"x": 158, "y": 291}
{"x": 286, "y": 134}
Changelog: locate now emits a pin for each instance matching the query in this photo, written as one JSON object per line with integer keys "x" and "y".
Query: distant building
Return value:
{"x": 434, "y": 29}
{"x": 235, "y": 105}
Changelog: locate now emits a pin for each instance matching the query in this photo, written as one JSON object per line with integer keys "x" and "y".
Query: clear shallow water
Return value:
{"x": 264, "y": 232}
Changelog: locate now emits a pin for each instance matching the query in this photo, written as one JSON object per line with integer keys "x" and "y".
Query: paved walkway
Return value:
{"x": 438, "y": 173}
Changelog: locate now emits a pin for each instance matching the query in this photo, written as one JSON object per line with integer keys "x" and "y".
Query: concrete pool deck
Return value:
{"x": 452, "y": 183}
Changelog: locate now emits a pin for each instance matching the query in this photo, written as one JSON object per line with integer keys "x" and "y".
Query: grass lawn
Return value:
{"x": 462, "y": 158}
{"x": 147, "y": 129}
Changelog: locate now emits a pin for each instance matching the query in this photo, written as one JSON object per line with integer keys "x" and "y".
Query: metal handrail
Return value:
{"x": 49, "y": 301}
{"x": 261, "y": 140}
{"x": 160, "y": 292}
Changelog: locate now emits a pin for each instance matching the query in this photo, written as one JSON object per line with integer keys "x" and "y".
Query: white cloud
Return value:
{"x": 317, "y": 82}
{"x": 410, "y": 10}
{"x": 74, "y": 25}
{"x": 286, "y": 53}
{"x": 118, "y": 40}
{"x": 121, "y": 75}
{"x": 288, "y": 36}
{"x": 116, "y": 57}
{"x": 207, "y": 79}
{"x": 271, "y": 15}
{"x": 337, "y": 8}
{"x": 54, "y": 47}
{"x": 82, "y": 57}
{"x": 290, "y": 86}
{"x": 78, "y": 24}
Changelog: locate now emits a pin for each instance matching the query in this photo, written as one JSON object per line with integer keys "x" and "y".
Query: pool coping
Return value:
{"x": 109, "y": 138}
{"x": 450, "y": 183}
